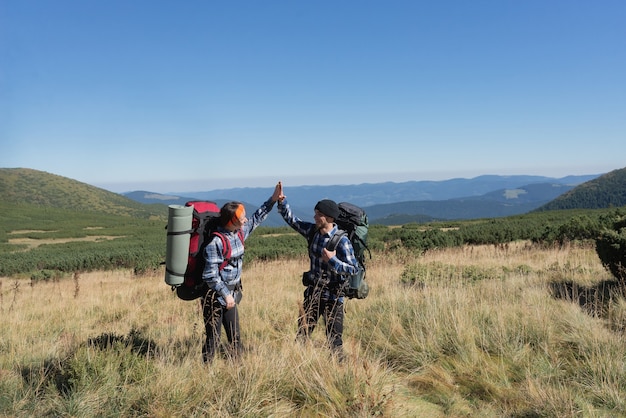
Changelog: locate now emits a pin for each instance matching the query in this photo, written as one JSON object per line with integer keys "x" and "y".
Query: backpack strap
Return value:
{"x": 227, "y": 248}
{"x": 332, "y": 243}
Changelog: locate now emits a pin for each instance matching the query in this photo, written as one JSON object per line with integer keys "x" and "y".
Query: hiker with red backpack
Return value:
{"x": 330, "y": 267}
{"x": 222, "y": 273}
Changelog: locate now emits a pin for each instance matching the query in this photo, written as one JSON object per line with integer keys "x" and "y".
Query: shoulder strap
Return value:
{"x": 334, "y": 240}
{"x": 227, "y": 248}
{"x": 332, "y": 243}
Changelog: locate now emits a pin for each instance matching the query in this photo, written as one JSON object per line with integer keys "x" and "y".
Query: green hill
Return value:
{"x": 51, "y": 225}
{"x": 24, "y": 186}
{"x": 606, "y": 191}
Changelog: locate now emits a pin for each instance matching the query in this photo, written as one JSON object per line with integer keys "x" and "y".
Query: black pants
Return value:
{"x": 316, "y": 304}
{"x": 215, "y": 315}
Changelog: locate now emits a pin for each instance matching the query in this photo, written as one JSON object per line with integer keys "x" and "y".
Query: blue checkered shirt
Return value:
{"x": 342, "y": 265}
{"x": 225, "y": 281}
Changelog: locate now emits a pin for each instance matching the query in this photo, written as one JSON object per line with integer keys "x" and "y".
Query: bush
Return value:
{"x": 611, "y": 248}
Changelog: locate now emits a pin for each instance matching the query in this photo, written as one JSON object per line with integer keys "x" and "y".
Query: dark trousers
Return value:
{"x": 215, "y": 315}
{"x": 316, "y": 304}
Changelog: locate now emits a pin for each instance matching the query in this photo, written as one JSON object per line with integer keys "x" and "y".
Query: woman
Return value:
{"x": 223, "y": 274}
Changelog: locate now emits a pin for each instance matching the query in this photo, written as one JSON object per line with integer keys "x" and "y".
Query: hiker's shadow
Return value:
{"x": 595, "y": 300}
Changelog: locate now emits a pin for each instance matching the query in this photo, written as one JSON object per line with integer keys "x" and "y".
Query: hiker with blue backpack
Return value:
{"x": 222, "y": 273}
{"x": 330, "y": 267}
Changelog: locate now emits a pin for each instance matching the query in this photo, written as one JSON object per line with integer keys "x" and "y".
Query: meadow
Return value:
{"x": 515, "y": 330}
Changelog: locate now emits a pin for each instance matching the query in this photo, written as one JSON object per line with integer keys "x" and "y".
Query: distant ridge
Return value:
{"x": 481, "y": 197}
{"x": 499, "y": 203}
{"x": 608, "y": 190}
{"x": 368, "y": 194}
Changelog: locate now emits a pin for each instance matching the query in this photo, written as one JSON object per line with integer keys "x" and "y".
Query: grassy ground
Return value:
{"x": 514, "y": 331}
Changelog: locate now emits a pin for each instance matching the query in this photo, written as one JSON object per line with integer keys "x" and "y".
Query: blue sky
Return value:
{"x": 201, "y": 95}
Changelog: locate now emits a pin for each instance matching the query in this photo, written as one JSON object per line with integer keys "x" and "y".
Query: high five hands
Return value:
{"x": 278, "y": 193}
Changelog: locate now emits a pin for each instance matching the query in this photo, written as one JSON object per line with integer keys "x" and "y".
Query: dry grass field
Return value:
{"x": 516, "y": 331}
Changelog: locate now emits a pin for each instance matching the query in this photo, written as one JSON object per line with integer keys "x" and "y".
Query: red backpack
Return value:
{"x": 204, "y": 224}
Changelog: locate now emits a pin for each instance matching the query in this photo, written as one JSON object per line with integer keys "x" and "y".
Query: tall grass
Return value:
{"x": 512, "y": 330}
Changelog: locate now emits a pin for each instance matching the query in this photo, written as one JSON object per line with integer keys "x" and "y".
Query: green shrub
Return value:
{"x": 611, "y": 248}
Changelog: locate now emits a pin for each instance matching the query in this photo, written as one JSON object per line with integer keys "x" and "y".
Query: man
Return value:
{"x": 326, "y": 280}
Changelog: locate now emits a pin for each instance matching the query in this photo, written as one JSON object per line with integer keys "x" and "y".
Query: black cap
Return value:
{"x": 328, "y": 207}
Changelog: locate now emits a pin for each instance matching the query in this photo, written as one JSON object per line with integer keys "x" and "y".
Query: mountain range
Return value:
{"x": 386, "y": 203}
{"x": 414, "y": 201}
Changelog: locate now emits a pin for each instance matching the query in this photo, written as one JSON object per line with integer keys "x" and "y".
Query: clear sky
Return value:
{"x": 203, "y": 94}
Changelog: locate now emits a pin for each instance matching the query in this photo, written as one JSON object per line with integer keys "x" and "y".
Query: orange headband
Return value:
{"x": 238, "y": 214}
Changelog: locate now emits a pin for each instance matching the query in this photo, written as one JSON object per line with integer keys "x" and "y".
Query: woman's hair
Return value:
{"x": 228, "y": 212}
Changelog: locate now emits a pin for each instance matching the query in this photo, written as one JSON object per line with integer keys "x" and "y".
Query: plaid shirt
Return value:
{"x": 225, "y": 281}
{"x": 343, "y": 264}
